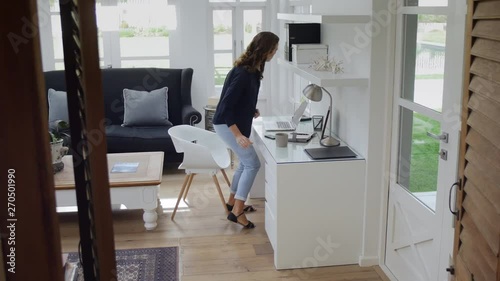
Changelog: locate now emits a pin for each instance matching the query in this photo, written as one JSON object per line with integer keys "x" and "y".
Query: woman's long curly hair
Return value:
{"x": 254, "y": 57}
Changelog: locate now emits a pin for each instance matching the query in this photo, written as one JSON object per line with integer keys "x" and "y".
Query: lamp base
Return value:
{"x": 329, "y": 141}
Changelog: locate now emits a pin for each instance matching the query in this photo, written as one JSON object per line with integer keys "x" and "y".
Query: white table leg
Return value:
{"x": 159, "y": 210}
{"x": 150, "y": 217}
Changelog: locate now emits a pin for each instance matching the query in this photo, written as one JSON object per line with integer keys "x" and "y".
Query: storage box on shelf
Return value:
{"x": 307, "y": 53}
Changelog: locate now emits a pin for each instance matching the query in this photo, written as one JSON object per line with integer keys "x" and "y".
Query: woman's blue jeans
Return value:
{"x": 248, "y": 167}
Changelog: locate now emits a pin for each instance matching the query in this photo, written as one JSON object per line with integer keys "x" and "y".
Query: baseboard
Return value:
{"x": 368, "y": 261}
{"x": 387, "y": 273}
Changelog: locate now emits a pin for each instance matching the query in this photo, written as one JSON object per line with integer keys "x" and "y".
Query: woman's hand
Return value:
{"x": 257, "y": 113}
{"x": 243, "y": 141}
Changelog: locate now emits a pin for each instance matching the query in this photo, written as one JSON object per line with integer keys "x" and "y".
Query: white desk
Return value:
{"x": 313, "y": 209}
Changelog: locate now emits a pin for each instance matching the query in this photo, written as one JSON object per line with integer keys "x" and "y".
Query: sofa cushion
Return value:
{"x": 58, "y": 108}
{"x": 138, "y": 139}
{"x": 143, "y": 108}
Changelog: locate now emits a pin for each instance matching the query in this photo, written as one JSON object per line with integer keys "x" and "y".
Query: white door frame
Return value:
{"x": 449, "y": 119}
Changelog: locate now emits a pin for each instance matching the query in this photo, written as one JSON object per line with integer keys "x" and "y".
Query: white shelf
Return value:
{"x": 316, "y": 18}
{"x": 324, "y": 78}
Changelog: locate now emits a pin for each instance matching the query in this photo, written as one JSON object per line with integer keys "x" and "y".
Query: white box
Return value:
{"x": 307, "y": 53}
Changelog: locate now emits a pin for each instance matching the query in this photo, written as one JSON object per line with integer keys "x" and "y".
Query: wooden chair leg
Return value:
{"x": 188, "y": 186}
{"x": 223, "y": 201}
{"x": 186, "y": 179}
{"x": 225, "y": 177}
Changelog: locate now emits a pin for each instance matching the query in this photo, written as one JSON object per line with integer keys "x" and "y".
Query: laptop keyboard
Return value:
{"x": 283, "y": 124}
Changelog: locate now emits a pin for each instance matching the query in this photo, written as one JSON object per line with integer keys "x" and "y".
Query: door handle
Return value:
{"x": 443, "y": 137}
{"x": 455, "y": 213}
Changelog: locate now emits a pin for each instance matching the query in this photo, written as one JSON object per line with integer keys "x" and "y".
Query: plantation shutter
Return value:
{"x": 477, "y": 235}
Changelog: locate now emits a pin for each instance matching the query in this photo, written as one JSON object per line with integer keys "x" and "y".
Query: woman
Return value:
{"x": 233, "y": 118}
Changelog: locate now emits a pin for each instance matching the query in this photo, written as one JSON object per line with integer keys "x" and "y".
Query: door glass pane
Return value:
{"x": 144, "y": 27}
{"x": 418, "y": 156}
{"x": 252, "y": 24}
{"x": 223, "y": 63}
{"x": 427, "y": 3}
{"x": 424, "y": 59}
{"x": 223, "y": 31}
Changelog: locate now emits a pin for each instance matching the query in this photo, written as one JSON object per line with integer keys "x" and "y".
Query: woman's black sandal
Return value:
{"x": 248, "y": 209}
{"x": 234, "y": 218}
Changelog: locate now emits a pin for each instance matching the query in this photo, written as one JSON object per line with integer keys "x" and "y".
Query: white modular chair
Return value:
{"x": 204, "y": 152}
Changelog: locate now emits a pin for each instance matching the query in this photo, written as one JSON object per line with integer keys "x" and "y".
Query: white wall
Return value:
{"x": 361, "y": 114}
{"x": 188, "y": 48}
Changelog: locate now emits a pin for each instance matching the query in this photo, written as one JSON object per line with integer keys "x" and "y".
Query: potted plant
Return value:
{"x": 58, "y": 138}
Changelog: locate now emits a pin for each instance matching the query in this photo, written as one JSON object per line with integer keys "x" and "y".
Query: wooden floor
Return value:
{"x": 210, "y": 247}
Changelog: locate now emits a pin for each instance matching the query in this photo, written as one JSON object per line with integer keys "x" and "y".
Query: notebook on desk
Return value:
{"x": 287, "y": 125}
{"x": 330, "y": 152}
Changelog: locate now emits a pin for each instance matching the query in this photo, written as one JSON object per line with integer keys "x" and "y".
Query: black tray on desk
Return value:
{"x": 330, "y": 152}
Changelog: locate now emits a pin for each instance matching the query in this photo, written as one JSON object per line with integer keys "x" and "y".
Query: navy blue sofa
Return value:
{"x": 141, "y": 139}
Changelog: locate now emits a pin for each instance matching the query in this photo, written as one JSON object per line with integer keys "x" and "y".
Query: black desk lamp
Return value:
{"x": 315, "y": 93}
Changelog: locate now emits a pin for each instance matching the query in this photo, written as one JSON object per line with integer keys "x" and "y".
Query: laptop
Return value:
{"x": 287, "y": 125}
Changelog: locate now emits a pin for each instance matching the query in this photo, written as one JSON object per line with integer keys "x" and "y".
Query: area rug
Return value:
{"x": 148, "y": 264}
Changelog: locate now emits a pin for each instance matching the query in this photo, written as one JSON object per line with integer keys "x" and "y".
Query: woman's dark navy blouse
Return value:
{"x": 238, "y": 101}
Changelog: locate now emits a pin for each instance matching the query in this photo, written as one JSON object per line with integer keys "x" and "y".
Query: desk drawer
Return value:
{"x": 270, "y": 179}
{"x": 270, "y": 222}
{"x": 268, "y": 159}
{"x": 271, "y": 201}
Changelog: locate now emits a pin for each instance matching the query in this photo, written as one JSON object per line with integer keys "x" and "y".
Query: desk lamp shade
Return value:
{"x": 315, "y": 93}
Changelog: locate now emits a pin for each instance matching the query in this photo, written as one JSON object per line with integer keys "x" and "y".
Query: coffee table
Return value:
{"x": 136, "y": 190}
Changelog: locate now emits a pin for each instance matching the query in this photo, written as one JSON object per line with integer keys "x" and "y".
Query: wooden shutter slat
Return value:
{"x": 471, "y": 233}
{"x": 486, "y": 127}
{"x": 486, "y": 49}
{"x": 490, "y": 190}
{"x": 482, "y": 146}
{"x": 486, "y": 88}
{"x": 487, "y": 69}
{"x": 489, "y": 168}
{"x": 487, "y": 10}
{"x": 490, "y": 216}
{"x": 461, "y": 271}
{"x": 487, "y": 29}
{"x": 470, "y": 261}
{"x": 489, "y": 174}
{"x": 474, "y": 211}
{"x": 486, "y": 107}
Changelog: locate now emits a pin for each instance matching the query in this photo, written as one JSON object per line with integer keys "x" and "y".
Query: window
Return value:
{"x": 234, "y": 24}
{"x": 132, "y": 33}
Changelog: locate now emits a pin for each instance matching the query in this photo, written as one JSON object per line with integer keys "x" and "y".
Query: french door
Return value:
{"x": 234, "y": 24}
{"x": 426, "y": 126}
